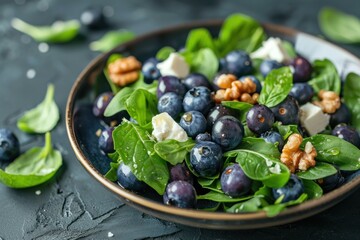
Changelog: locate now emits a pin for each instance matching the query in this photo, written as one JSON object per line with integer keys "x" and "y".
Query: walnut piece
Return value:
{"x": 296, "y": 159}
{"x": 329, "y": 101}
{"x": 124, "y": 71}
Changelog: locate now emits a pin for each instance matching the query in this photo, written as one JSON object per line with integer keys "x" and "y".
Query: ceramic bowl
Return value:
{"x": 82, "y": 125}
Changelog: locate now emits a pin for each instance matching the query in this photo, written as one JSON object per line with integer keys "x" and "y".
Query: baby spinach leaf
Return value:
{"x": 336, "y": 151}
{"x": 205, "y": 62}
{"x": 312, "y": 189}
{"x": 260, "y": 145}
{"x": 252, "y": 205}
{"x": 32, "y": 168}
{"x": 164, "y": 53}
{"x": 207, "y": 205}
{"x": 243, "y": 107}
{"x": 266, "y": 193}
{"x": 289, "y": 48}
{"x": 352, "y": 98}
{"x": 174, "y": 151}
{"x": 111, "y": 40}
{"x": 43, "y": 118}
{"x": 58, "y": 32}
{"x": 221, "y": 197}
{"x": 136, "y": 148}
{"x": 276, "y": 87}
{"x": 112, "y": 173}
{"x": 275, "y": 209}
{"x": 320, "y": 170}
{"x": 325, "y": 77}
{"x": 263, "y": 168}
{"x": 211, "y": 184}
{"x": 285, "y": 130}
{"x": 199, "y": 39}
{"x": 339, "y": 26}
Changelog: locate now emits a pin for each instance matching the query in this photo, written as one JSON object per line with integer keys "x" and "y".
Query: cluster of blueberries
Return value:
{"x": 217, "y": 129}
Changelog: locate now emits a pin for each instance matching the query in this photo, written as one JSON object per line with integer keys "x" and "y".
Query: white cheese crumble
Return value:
{"x": 272, "y": 49}
{"x": 166, "y": 128}
{"x": 174, "y": 65}
{"x": 38, "y": 192}
{"x": 313, "y": 119}
{"x": 275, "y": 169}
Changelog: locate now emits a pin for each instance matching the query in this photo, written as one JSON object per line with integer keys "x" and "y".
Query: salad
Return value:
{"x": 237, "y": 123}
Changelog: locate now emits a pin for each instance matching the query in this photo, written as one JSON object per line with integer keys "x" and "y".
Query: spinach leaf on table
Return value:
{"x": 58, "y": 32}
{"x": 325, "y": 77}
{"x": 352, "y": 98}
{"x": 174, "y": 151}
{"x": 135, "y": 147}
{"x": 339, "y": 26}
{"x": 111, "y": 39}
{"x": 320, "y": 170}
{"x": 164, "y": 53}
{"x": 32, "y": 168}
{"x": 43, "y": 118}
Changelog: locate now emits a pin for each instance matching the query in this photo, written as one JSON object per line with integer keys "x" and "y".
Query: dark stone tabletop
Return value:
{"x": 73, "y": 205}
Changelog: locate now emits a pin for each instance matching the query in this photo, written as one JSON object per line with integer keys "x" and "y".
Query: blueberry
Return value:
{"x": 260, "y": 119}
{"x": 171, "y": 103}
{"x": 331, "y": 182}
{"x": 150, "y": 71}
{"x": 238, "y": 63}
{"x": 222, "y": 65}
{"x": 201, "y": 137}
{"x": 227, "y": 132}
{"x": 274, "y": 138}
{"x": 287, "y": 112}
{"x": 9, "y": 145}
{"x": 170, "y": 84}
{"x": 302, "y": 92}
{"x": 128, "y": 180}
{"x": 234, "y": 182}
{"x": 217, "y": 112}
{"x": 196, "y": 80}
{"x": 101, "y": 103}
{"x": 206, "y": 159}
{"x": 291, "y": 191}
{"x": 180, "y": 194}
{"x": 302, "y": 69}
{"x": 268, "y": 65}
{"x": 93, "y": 18}
{"x": 342, "y": 115}
{"x": 198, "y": 99}
{"x": 255, "y": 80}
{"x": 106, "y": 143}
{"x": 347, "y": 133}
{"x": 193, "y": 122}
{"x": 180, "y": 172}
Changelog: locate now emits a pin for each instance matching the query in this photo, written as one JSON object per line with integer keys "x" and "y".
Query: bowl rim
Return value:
{"x": 306, "y": 209}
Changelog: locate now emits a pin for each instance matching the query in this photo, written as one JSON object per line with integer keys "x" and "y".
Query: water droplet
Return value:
{"x": 31, "y": 73}
{"x": 43, "y": 47}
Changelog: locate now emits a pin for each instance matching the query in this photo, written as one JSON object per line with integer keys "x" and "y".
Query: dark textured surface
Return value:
{"x": 75, "y": 206}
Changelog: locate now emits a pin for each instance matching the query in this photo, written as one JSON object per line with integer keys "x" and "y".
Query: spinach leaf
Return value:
{"x": 164, "y": 53}
{"x": 239, "y": 32}
{"x": 221, "y": 197}
{"x": 199, "y": 39}
{"x": 320, "y": 170}
{"x": 174, "y": 151}
{"x": 205, "y": 62}
{"x": 256, "y": 144}
{"x": 289, "y": 48}
{"x": 336, "y": 151}
{"x": 352, "y": 98}
{"x": 43, "y": 118}
{"x": 312, "y": 189}
{"x": 325, "y": 77}
{"x": 32, "y": 168}
{"x": 112, "y": 173}
{"x": 266, "y": 193}
{"x": 111, "y": 40}
{"x": 277, "y": 86}
{"x": 339, "y": 26}
{"x": 136, "y": 148}
{"x": 243, "y": 107}
{"x": 141, "y": 106}
{"x": 285, "y": 130}
{"x": 58, "y": 32}
{"x": 207, "y": 205}
{"x": 263, "y": 168}
{"x": 211, "y": 184}
{"x": 111, "y": 59}
{"x": 252, "y": 205}
{"x": 273, "y": 210}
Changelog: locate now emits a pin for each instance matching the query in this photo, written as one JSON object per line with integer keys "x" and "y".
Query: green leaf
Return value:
{"x": 325, "y": 77}
{"x": 243, "y": 107}
{"x": 211, "y": 184}
{"x": 136, "y": 148}
{"x": 256, "y": 144}
{"x": 352, "y": 98}
{"x": 43, "y": 118}
{"x": 273, "y": 210}
{"x": 112, "y": 173}
{"x": 285, "y": 130}
{"x": 312, "y": 189}
{"x": 205, "y": 62}
{"x": 199, "y": 39}
{"x": 32, "y": 168}
{"x": 265, "y": 192}
{"x": 164, "y": 53}
{"x": 263, "y": 168}
{"x": 58, "y": 32}
{"x": 174, "y": 151}
{"x": 252, "y": 205}
{"x": 112, "y": 58}
{"x": 320, "y": 170}
{"x": 336, "y": 151}
{"x": 141, "y": 106}
{"x": 221, "y": 197}
{"x": 289, "y": 48}
{"x": 339, "y": 26}
{"x": 277, "y": 86}
{"x": 111, "y": 40}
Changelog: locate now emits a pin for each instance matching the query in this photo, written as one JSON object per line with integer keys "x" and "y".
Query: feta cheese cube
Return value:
{"x": 166, "y": 128}
{"x": 174, "y": 65}
{"x": 272, "y": 49}
{"x": 313, "y": 119}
